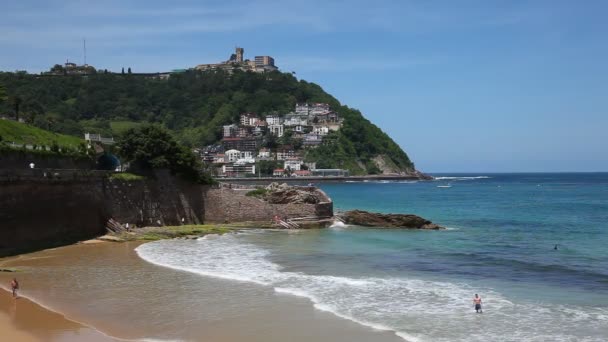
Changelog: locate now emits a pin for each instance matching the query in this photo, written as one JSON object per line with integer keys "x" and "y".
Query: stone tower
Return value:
{"x": 239, "y": 54}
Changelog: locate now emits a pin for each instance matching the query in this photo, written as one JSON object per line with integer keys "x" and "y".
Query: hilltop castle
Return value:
{"x": 237, "y": 61}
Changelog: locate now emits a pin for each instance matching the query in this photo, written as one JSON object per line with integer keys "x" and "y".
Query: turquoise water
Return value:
{"x": 420, "y": 284}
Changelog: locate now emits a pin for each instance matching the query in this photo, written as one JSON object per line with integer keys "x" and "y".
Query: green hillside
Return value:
{"x": 20, "y": 133}
{"x": 194, "y": 105}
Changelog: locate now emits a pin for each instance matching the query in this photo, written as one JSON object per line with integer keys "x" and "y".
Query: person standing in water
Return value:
{"x": 477, "y": 302}
{"x": 14, "y": 287}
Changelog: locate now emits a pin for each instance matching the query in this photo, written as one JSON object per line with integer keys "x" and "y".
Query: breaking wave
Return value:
{"x": 415, "y": 309}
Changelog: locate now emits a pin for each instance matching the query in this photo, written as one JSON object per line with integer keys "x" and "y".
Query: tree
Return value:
{"x": 152, "y": 147}
{"x": 16, "y": 101}
{"x": 123, "y": 71}
{"x": 129, "y": 71}
{"x": 3, "y": 96}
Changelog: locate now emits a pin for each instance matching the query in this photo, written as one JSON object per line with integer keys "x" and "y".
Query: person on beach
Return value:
{"x": 477, "y": 302}
{"x": 14, "y": 287}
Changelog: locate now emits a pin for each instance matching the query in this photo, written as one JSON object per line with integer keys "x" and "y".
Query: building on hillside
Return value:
{"x": 274, "y": 120}
{"x": 303, "y": 109}
{"x": 292, "y": 164}
{"x": 248, "y": 119}
{"x": 219, "y": 158}
{"x": 70, "y": 68}
{"x": 286, "y": 152}
{"x": 264, "y": 153}
{"x": 330, "y": 172}
{"x": 320, "y": 130}
{"x": 300, "y": 129}
{"x": 277, "y": 130}
{"x": 317, "y": 109}
{"x": 278, "y": 173}
{"x": 244, "y": 132}
{"x": 295, "y": 120}
{"x": 230, "y": 131}
{"x": 302, "y": 173}
{"x": 260, "y": 127}
{"x": 91, "y": 137}
{"x": 236, "y": 155}
{"x": 237, "y": 61}
{"x": 232, "y": 156}
{"x": 238, "y": 169}
{"x": 264, "y": 64}
{"x": 241, "y": 144}
{"x": 312, "y": 140}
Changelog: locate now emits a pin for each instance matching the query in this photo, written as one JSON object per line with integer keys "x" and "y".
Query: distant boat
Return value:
{"x": 444, "y": 186}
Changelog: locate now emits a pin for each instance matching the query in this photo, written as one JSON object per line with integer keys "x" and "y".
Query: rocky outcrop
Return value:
{"x": 283, "y": 194}
{"x": 365, "y": 218}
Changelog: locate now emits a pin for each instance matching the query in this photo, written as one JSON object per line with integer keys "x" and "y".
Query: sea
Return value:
{"x": 533, "y": 246}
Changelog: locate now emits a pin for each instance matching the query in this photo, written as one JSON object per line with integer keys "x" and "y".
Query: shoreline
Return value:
{"x": 283, "y": 317}
{"x": 23, "y": 319}
{"x": 320, "y": 179}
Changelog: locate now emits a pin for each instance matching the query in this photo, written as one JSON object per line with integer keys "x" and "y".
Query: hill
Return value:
{"x": 21, "y": 133}
{"x": 195, "y": 105}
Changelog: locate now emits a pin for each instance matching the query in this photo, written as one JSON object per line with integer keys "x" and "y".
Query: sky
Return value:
{"x": 461, "y": 86}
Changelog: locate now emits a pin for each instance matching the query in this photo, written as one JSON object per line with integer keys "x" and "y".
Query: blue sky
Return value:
{"x": 482, "y": 86}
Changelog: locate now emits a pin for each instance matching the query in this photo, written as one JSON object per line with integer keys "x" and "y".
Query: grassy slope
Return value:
{"x": 20, "y": 133}
{"x": 119, "y": 127}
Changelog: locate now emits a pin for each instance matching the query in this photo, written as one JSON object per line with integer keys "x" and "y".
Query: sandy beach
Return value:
{"x": 22, "y": 320}
{"x": 108, "y": 287}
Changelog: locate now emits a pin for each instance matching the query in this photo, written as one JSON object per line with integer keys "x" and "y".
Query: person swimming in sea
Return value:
{"x": 477, "y": 302}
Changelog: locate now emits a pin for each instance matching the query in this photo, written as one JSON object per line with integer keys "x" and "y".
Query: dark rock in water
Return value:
{"x": 365, "y": 218}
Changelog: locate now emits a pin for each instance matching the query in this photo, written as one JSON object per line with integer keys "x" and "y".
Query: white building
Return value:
{"x": 248, "y": 119}
{"x": 277, "y": 130}
{"x": 273, "y": 120}
{"x": 264, "y": 153}
{"x": 292, "y": 164}
{"x": 230, "y": 131}
{"x": 286, "y": 153}
{"x": 232, "y": 155}
{"x": 295, "y": 120}
{"x": 320, "y": 130}
{"x": 319, "y": 109}
{"x": 302, "y": 108}
{"x": 238, "y": 169}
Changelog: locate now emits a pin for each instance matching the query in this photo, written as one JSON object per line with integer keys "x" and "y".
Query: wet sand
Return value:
{"x": 22, "y": 320}
{"x": 108, "y": 287}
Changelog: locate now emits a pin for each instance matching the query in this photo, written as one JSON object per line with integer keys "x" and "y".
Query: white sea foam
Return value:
{"x": 339, "y": 224}
{"x": 415, "y": 309}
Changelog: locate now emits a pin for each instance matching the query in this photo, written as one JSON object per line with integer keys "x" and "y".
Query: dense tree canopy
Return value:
{"x": 193, "y": 104}
{"x": 153, "y": 147}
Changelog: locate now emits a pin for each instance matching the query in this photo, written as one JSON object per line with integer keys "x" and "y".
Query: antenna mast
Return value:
{"x": 84, "y": 45}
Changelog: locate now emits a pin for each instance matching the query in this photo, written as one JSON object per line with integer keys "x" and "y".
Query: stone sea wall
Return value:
{"x": 45, "y": 208}
{"x": 233, "y": 205}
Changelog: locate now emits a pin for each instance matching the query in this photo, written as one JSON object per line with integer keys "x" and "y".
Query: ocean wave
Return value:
{"x": 409, "y": 307}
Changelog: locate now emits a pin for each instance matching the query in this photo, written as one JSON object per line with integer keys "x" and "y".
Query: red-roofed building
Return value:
{"x": 278, "y": 173}
{"x": 302, "y": 173}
